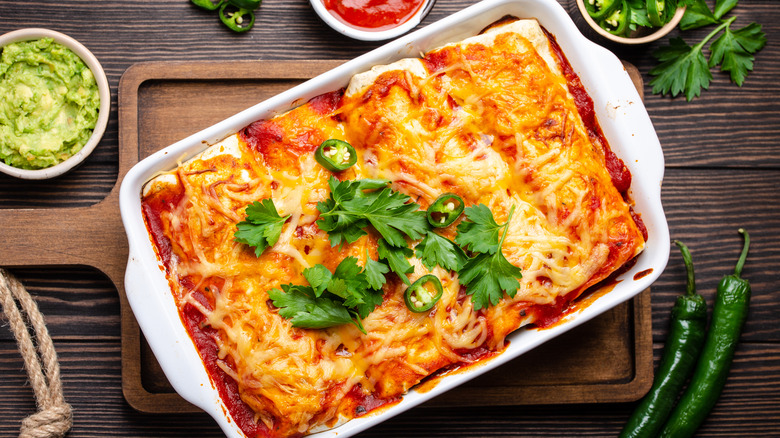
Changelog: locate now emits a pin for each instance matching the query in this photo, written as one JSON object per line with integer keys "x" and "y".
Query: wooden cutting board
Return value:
{"x": 608, "y": 359}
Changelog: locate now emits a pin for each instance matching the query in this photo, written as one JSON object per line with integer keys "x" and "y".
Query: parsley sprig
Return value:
{"x": 353, "y": 205}
{"x": 438, "y": 250}
{"x": 262, "y": 226}
{"x": 396, "y": 259}
{"x": 684, "y": 69}
{"x": 347, "y": 295}
{"x": 487, "y": 275}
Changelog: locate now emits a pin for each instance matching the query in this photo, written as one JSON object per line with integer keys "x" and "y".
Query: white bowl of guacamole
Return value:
{"x": 56, "y": 103}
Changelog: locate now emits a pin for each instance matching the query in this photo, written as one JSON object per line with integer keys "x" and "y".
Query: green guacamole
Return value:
{"x": 49, "y": 104}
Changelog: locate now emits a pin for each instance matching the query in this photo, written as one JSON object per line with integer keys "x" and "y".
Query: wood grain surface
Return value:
{"x": 722, "y": 156}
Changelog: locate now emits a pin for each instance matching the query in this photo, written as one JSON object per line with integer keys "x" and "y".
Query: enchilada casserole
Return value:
{"x": 293, "y": 278}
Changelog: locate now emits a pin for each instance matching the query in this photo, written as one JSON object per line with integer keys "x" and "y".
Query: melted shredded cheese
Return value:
{"x": 495, "y": 124}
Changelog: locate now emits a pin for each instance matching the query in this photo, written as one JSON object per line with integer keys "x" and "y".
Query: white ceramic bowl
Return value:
{"x": 103, "y": 91}
{"x": 364, "y": 35}
{"x": 620, "y": 111}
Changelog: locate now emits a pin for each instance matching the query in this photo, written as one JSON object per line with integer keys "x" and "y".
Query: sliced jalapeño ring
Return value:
{"x": 423, "y": 294}
{"x": 445, "y": 210}
{"x": 336, "y": 155}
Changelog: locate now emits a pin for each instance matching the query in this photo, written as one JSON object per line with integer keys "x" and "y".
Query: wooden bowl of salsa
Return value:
{"x": 372, "y": 20}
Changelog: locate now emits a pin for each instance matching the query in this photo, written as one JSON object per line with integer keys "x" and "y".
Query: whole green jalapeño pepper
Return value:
{"x": 732, "y": 299}
{"x": 598, "y": 9}
{"x": 336, "y": 155}
{"x": 616, "y": 22}
{"x": 423, "y": 294}
{"x": 688, "y": 326}
{"x": 238, "y": 20}
{"x": 445, "y": 210}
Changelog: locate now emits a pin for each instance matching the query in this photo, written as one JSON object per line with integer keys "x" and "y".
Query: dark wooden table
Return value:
{"x": 722, "y": 172}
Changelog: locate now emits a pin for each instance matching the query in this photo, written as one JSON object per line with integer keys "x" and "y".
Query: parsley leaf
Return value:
{"x": 262, "y": 226}
{"x": 683, "y": 69}
{"x": 479, "y": 233}
{"x": 722, "y": 7}
{"x": 375, "y": 273}
{"x": 393, "y": 217}
{"x": 318, "y": 277}
{"x": 372, "y": 298}
{"x": 697, "y": 14}
{"x": 303, "y": 309}
{"x": 396, "y": 258}
{"x": 348, "y": 282}
{"x": 340, "y": 225}
{"x": 488, "y": 276}
{"x": 437, "y": 250}
{"x": 353, "y": 205}
{"x": 733, "y": 51}
{"x": 331, "y": 299}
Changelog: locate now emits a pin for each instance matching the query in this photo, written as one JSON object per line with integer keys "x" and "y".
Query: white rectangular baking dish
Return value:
{"x": 622, "y": 116}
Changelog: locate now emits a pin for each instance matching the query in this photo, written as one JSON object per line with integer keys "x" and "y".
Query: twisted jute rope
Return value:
{"x": 54, "y": 417}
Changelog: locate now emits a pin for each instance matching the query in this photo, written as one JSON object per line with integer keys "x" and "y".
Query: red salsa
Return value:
{"x": 373, "y": 15}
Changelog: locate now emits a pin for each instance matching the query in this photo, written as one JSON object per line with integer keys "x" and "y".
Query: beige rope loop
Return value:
{"x": 51, "y": 422}
{"x": 54, "y": 418}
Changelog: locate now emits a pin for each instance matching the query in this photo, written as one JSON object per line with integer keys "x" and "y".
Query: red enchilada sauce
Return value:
{"x": 621, "y": 177}
{"x": 373, "y": 15}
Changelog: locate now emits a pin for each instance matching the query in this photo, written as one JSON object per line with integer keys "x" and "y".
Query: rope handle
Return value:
{"x": 54, "y": 417}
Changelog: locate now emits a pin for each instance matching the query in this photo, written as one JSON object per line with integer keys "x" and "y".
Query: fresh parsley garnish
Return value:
{"x": 301, "y": 306}
{"x": 345, "y": 296}
{"x": 685, "y": 70}
{"x": 734, "y": 51}
{"x": 480, "y": 232}
{"x": 437, "y": 250}
{"x": 697, "y": 14}
{"x": 262, "y": 226}
{"x": 487, "y": 275}
{"x": 354, "y": 205}
{"x": 375, "y": 273}
{"x": 318, "y": 277}
{"x": 396, "y": 258}
{"x": 352, "y": 292}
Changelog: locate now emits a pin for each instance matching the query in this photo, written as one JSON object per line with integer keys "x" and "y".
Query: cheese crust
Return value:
{"x": 490, "y": 118}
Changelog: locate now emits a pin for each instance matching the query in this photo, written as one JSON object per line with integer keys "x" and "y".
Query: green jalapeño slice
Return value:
{"x": 655, "y": 12}
{"x": 445, "y": 210}
{"x": 336, "y": 155}
{"x": 423, "y": 294}
{"x": 599, "y": 9}
{"x": 235, "y": 18}
{"x": 616, "y": 23}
